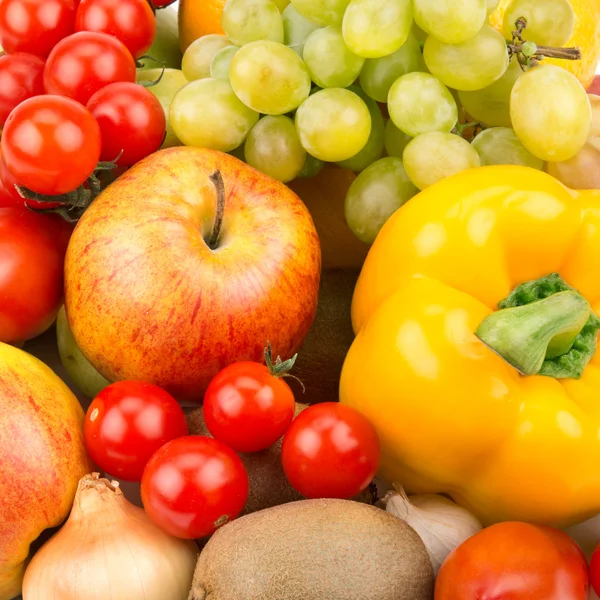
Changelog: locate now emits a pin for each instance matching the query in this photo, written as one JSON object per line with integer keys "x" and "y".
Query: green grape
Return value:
{"x": 431, "y": 157}
{"x": 273, "y": 147}
{"x": 323, "y": 12}
{"x": 419, "y": 103}
{"x": 549, "y": 22}
{"x": 296, "y": 29}
{"x": 206, "y": 113}
{"x": 333, "y": 124}
{"x": 197, "y": 58}
{"x": 329, "y": 61}
{"x": 281, "y": 4}
{"x": 471, "y": 65}
{"x": 395, "y": 140}
{"x": 246, "y": 21}
{"x": 491, "y": 6}
{"x": 491, "y": 105}
{"x": 450, "y": 21}
{"x": 374, "y": 146}
{"x": 376, "y": 28}
{"x": 419, "y": 34}
{"x": 269, "y": 77}
{"x": 312, "y": 167}
{"x": 219, "y": 67}
{"x": 501, "y": 146}
{"x": 378, "y": 74}
{"x": 551, "y": 113}
{"x": 375, "y": 195}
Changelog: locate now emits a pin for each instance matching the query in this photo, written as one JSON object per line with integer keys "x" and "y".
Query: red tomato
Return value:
{"x": 131, "y": 21}
{"x": 50, "y": 144}
{"x": 131, "y": 120}
{"x": 35, "y": 26}
{"x": 330, "y": 451}
{"x": 21, "y": 77}
{"x": 193, "y": 485}
{"x": 595, "y": 571}
{"x": 162, "y": 3}
{"x": 84, "y": 63}
{"x": 127, "y": 423}
{"x": 32, "y": 253}
{"x": 516, "y": 561}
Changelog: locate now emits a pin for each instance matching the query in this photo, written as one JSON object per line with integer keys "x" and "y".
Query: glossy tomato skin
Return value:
{"x": 21, "y": 77}
{"x": 194, "y": 485}
{"x": 131, "y": 21}
{"x": 131, "y": 119}
{"x": 127, "y": 422}
{"x": 248, "y": 408}
{"x": 35, "y": 26}
{"x": 50, "y": 144}
{"x": 330, "y": 451}
{"x": 84, "y": 63}
{"x": 595, "y": 569}
{"x": 515, "y": 561}
{"x": 32, "y": 253}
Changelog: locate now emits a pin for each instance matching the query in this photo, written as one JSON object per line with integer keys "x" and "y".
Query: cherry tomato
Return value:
{"x": 32, "y": 253}
{"x": 50, "y": 144}
{"x": 21, "y": 77}
{"x": 127, "y": 422}
{"x": 248, "y": 407}
{"x": 194, "y": 485}
{"x": 131, "y": 21}
{"x": 330, "y": 451}
{"x": 595, "y": 569}
{"x": 35, "y": 26}
{"x": 162, "y": 3}
{"x": 84, "y": 63}
{"x": 131, "y": 120}
{"x": 517, "y": 561}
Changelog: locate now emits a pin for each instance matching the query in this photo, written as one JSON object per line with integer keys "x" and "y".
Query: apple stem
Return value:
{"x": 281, "y": 368}
{"x": 217, "y": 180}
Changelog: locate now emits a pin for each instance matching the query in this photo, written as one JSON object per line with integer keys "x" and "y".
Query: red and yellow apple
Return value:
{"x": 148, "y": 294}
{"x": 42, "y": 454}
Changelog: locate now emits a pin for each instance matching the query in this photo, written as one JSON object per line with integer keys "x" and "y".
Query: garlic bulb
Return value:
{"x": 441, "y": 524}
{"x": 109, "y": 548}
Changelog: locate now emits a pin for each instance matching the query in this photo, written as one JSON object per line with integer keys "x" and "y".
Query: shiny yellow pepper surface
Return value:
{"x": 475, "y": 355}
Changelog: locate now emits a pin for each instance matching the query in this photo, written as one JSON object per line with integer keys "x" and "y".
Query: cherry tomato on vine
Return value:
{"x": 131, "y": 120}
{"x": 127, "y": 422}
{"x": 84, "y": 63}
{"x": 131, "y": 21}
{"x": 193, "y": 485}
{"x": 51, "y": 144}
{"x": 330, "y": 451}
{"x": 21, "y": 77}
{"x": 32, "y": 253}
{"x": 35, "y": 26}
{"x": 249, "y": 406}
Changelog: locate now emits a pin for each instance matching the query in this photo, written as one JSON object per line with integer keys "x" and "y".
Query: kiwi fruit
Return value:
{"x": 315, "y": 550}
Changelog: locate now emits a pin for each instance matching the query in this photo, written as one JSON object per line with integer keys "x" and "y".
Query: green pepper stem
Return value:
{"x": 527, "y": 335}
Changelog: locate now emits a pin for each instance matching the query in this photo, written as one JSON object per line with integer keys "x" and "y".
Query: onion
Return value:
{"x": 109, "y": 548}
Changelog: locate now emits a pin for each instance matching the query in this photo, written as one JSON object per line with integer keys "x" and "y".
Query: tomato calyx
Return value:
{"x": 530, "y": 54}
{"x": 73, "y": 204}
{"x": 281, "y": 368}
{"x": 223, "y": 520}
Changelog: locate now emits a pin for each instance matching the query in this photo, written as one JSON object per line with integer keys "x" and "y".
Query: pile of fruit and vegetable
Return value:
{"x": 299, "y": 299}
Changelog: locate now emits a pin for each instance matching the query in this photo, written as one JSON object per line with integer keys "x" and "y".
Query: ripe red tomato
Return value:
{"x": 35, "y": 26}
{"x": 517, "y": 561}
{"x": 595, "y": 571}
{"x": 85, "y": 62}
{"x": 162, "y": 3}
{"x": 131, "y": 21}
{"x": 21, "y": 77}
{"x": 50, "y": 144}
{"x": 32, "y": 253}
{"x": 127, "y": 422}
{"x": 330, "y": 451}
{"x": 194, "y": 485}
{"x": 248, "y": 407}
{"x": 131, "y": 120}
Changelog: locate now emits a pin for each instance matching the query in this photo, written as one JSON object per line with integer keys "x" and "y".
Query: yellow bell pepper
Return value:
{"x": 475, "y": 355}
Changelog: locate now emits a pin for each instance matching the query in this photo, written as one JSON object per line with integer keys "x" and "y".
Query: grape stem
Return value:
{"x": 529, "y": 57}
{"x": 460, "y": 128}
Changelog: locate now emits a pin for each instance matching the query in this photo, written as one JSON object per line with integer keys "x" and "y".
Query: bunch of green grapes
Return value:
{"x": 384, "y": 88}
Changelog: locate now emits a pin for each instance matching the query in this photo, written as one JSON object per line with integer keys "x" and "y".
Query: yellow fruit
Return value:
{"x": 586, "y": 35}
{"x": 198, "y": 18}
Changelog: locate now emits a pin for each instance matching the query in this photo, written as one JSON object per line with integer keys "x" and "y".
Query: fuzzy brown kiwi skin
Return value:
{"x": 315, "y": 550}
